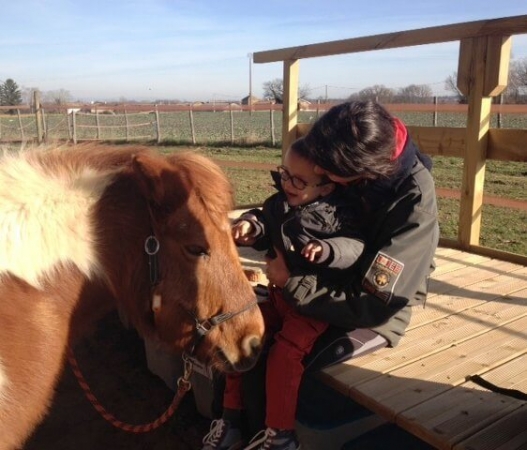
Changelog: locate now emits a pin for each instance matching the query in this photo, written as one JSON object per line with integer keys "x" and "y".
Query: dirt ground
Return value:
{"x": 114, "y": 363}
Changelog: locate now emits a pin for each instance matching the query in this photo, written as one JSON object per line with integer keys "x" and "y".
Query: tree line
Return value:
{"x": 516, "y": 91}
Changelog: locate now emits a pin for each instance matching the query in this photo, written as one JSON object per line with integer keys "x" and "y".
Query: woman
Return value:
{"x": 367, "y": 150}
{"x": 360, "y": 145}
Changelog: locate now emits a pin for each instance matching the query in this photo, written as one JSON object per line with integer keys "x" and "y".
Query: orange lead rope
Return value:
{"x": 183, "y": 386}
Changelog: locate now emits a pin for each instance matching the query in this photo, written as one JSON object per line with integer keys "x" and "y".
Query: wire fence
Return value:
{"x": 206, "y": 124}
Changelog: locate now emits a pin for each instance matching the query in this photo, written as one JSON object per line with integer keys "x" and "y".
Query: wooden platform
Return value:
{"x": 474, "y": 323}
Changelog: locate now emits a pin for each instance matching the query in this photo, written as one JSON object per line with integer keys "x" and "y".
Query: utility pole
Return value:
{"x": 250, "y": 99}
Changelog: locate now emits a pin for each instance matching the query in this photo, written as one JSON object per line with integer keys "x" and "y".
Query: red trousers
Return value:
{"x": 294, "y": 337}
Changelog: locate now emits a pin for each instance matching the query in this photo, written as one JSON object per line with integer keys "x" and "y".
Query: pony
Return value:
{"x": 87, "y": 229}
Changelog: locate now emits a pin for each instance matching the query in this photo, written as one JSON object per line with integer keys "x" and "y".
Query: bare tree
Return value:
{"x": 516, "y": 91}
{"x": 415, "y": 93}
{"x": 378, "y": 93}
{"x": 58, "y": 97}
{"x": 451, "y": 86}
{"x": 28, "y": 94}
{"x": 274, "y": 90}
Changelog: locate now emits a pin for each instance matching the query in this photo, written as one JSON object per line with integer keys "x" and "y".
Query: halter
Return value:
{"x": 202, "y": 327}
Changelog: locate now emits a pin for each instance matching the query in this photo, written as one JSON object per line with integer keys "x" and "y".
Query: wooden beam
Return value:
{"x": 442, "y": 141}
{"x": 471, "y": 78}
{"x": 497, "y": 65}
{"x": 432, "y": 35}
{"x": 507, "y": 144}
{"x": 290, "y": 106}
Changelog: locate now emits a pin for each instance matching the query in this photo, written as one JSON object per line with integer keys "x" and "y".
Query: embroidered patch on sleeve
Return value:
{"x": 382, "y": 276}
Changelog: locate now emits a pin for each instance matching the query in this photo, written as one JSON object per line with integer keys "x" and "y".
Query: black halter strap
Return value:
{"x": 204, "y": 327}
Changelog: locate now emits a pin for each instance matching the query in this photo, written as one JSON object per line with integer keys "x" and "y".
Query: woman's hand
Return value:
{"x": 277, "y": 271}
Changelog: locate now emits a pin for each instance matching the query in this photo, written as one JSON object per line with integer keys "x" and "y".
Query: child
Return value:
{"x": 313, "y": 226}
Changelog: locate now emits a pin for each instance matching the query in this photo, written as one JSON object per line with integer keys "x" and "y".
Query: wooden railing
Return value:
{"x": 484, "y": 57}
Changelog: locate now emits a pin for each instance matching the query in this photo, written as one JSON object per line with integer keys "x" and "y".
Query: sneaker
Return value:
{"x": 222, "y": 437}
{"x": 272, "y": 439}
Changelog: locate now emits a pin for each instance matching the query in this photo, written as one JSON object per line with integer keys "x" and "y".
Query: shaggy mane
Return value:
{"x": 46, "y": 197}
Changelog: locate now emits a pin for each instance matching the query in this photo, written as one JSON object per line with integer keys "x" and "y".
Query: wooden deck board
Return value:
{"x": 474, "y": 322}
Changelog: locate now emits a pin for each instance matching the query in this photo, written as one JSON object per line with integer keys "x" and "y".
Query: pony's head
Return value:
{"x": 201, "y": 300}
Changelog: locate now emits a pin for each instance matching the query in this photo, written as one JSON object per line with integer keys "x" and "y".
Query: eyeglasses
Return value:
{"x": 297, "y": 183}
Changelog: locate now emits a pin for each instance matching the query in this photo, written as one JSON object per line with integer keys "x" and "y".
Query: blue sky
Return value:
{"x": 198, "y": 50}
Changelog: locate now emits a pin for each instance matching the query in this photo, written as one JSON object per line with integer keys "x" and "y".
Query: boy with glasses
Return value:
{"x": 318, "y": 232}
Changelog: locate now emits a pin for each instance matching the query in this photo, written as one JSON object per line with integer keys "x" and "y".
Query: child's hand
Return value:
{"x": 242, "y": 232}
{"x": 312, "y": 251}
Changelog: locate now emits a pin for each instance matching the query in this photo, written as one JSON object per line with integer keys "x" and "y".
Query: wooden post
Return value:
{"x": 232, "y": 124}
{"x": 290, "y": 103}
{"x": 44, "y": 124}
{"x": 38, "y": 116}
{"x": 482, "y": 74}
{"x": 273, "y": 138}
{"x": 158, "y": 126}
{"x": 74, "y": 126}
{"x": 98, "y": 123}
{"x": 499, "y": 125}
{"x": 435, "y": 111}
{"x": 126, "y": 124}
{"x": 70, "y": 134}
{"x": 20, "y": 125}
{"x": 192, "y": 125}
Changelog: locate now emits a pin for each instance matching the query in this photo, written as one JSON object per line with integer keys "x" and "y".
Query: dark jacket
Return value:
{"x": 392, "y": 274}
{"x": 334, "y": 221}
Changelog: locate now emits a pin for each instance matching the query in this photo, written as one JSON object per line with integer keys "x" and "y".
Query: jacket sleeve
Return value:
{"x": 386, "y": 281}
{"x": 257, "y": 219}
{"x": 339, "y": 252}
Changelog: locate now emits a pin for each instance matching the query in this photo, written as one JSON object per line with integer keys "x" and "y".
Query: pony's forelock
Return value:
{"x": 209, "y": 182}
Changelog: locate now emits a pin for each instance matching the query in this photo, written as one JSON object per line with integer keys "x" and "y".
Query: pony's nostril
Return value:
{"x": 251, "y": 344}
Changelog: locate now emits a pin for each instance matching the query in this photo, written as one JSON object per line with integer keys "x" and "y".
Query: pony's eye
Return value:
{"x": 197, "y": 250}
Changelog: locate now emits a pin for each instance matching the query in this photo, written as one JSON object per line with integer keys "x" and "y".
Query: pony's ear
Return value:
{"x": 160, "y": 182}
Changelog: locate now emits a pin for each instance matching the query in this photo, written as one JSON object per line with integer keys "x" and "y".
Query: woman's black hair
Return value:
{"x": 354, "y": 138}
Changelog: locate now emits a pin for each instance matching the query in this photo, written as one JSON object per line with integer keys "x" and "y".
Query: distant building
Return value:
{"x": 245, "y": 100}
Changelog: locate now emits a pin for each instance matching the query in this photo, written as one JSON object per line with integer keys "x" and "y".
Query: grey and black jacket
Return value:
{"x": 334, "y": 221}
{"x": 391, "y": 275}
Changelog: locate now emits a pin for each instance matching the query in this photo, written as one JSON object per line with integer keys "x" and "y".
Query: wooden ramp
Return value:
{"x": 474, "y": 323}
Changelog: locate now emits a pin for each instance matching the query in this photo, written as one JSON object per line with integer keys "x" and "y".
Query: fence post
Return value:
{"x": 44, "y": 124}
{"x": 435, "y": 110}
{"x": 38, "y": 116}
{"x": 192, "y": 125}
{"x": 98, "y": 123}
{"x": 232, "y": 124}
{"x": 21, "y": 127}
{"x": 158, "y": 125}
{"x": 70, "y": 134}
{"x": 74, "y": 126}
{"x": 273, "y": 140}
{"x": 499, "y": 111}
{"x": 126, "y": 124}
